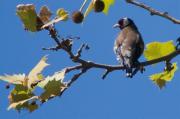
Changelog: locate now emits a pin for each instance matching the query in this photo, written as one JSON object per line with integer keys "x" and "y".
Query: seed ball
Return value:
{"x": 99, "y": 6}
{"x": 77, "y": 17}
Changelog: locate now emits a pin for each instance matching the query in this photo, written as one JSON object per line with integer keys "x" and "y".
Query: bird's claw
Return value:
{"x": 178, "y": 43}
{"x": 142, "y": 69}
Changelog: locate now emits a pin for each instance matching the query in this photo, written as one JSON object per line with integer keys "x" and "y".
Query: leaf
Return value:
{"x": 20, "y": 104}
{"x": 28, "y": 16}
{"x": 58, "y": 76}
{"x": 32, "y": 79}
{"x": 45, "y": 14}
{"x": 107, "y": 3}
{"x": 20, "y": 98}
{"x": 35, "y": 75}
{"x": 14, "y": 79}
{"x": 62, "y": 15}
{"x": 161, "y": 78}
{"x": 53, "y": 85}
{"x": 156, "y": 50}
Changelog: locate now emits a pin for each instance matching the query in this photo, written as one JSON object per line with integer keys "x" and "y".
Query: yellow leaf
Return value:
{"x": 28, "y": 15}
{"x": 107, "y": 3}
{"x": 62, "y": 13}
{"x": 161, "y": 78}
{"x": 156, "y": 50}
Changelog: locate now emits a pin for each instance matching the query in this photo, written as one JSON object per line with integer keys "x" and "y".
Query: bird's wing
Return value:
{"x": 13, "y": 79}
{"x": 35, "y": 74}
{"x": 118, "y": 46}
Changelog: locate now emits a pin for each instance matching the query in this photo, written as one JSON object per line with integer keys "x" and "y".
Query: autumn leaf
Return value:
{"x": 107, "y": 3}
{"x": 45, "y": 14}
{"x": 62, "y": 15}
{"x": 20, "y": 104}
{"x": 28, "y": 16}
{"x": 20, "y": 98}
{"x": 31, "y": 20}
{"x": 52, "y": 85}
{"x": 161, "y": 78}
{"x": 35, "y": 75}
{"x": 156, "y": 50}
{"x": 31, "y": 79}
{"x": 13, "y": 79}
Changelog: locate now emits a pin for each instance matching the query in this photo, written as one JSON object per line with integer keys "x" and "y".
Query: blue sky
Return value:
{"x": 90, "y": 97}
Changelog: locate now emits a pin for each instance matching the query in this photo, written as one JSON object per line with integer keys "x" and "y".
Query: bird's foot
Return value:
{"x": 129, "y": 72}
{"x": 142, "y": 69}
{"x": 178, "y": 43}
{"x": 129, "y": 75}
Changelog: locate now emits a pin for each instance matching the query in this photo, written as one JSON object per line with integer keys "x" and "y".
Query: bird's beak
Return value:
{"x": 115, "y": 25}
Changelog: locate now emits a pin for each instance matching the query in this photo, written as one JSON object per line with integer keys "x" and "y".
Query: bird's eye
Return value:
{"x": 121, "y": 23}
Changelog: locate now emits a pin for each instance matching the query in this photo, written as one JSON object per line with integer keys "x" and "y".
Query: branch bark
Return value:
{"x": 154, "y": 11}
{"x": 85, "y": 64}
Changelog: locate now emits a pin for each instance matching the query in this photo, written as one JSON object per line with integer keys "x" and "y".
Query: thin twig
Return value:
{"x": 73, "y": 79}
{"x": 82, "y": 6}
{"x": 153, "y": 11}
{"x": 105, "y": 73}
{"x": 80, "y": 51}
{"x": 68, "y": 69}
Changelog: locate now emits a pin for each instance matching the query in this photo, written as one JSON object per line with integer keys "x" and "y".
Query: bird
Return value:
{"x": 129, "y": 45}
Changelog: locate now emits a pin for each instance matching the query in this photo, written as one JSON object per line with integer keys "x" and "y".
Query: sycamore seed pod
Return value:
{"x": 99, "y": 5}
{"x": 77, "y": 17}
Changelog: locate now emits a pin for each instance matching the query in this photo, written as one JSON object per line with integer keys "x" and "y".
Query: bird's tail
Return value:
{"x": 129, "y": 67}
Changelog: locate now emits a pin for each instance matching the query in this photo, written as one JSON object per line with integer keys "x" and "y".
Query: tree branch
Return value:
{"x": 83, "y": 64}
{"x": 153, "y": 11}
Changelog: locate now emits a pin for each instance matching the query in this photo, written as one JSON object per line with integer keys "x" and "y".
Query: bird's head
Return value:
{"x": 124, "y": 22}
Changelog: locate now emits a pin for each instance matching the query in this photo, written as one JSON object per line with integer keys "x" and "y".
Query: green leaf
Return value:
{"x": 161, "y": 78}
{"x": 53, "y": 85}
{"x": 24, "y": 104}
{"x": 107, "y": 3}
{"x": 156, "y": 50}
{"x": 52, "y": 89}
{"x": 20, "y": 98}
{"x": 28, "y": 16}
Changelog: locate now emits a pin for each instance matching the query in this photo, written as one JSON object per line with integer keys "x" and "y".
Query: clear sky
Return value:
{"x": 90, "y": 97}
